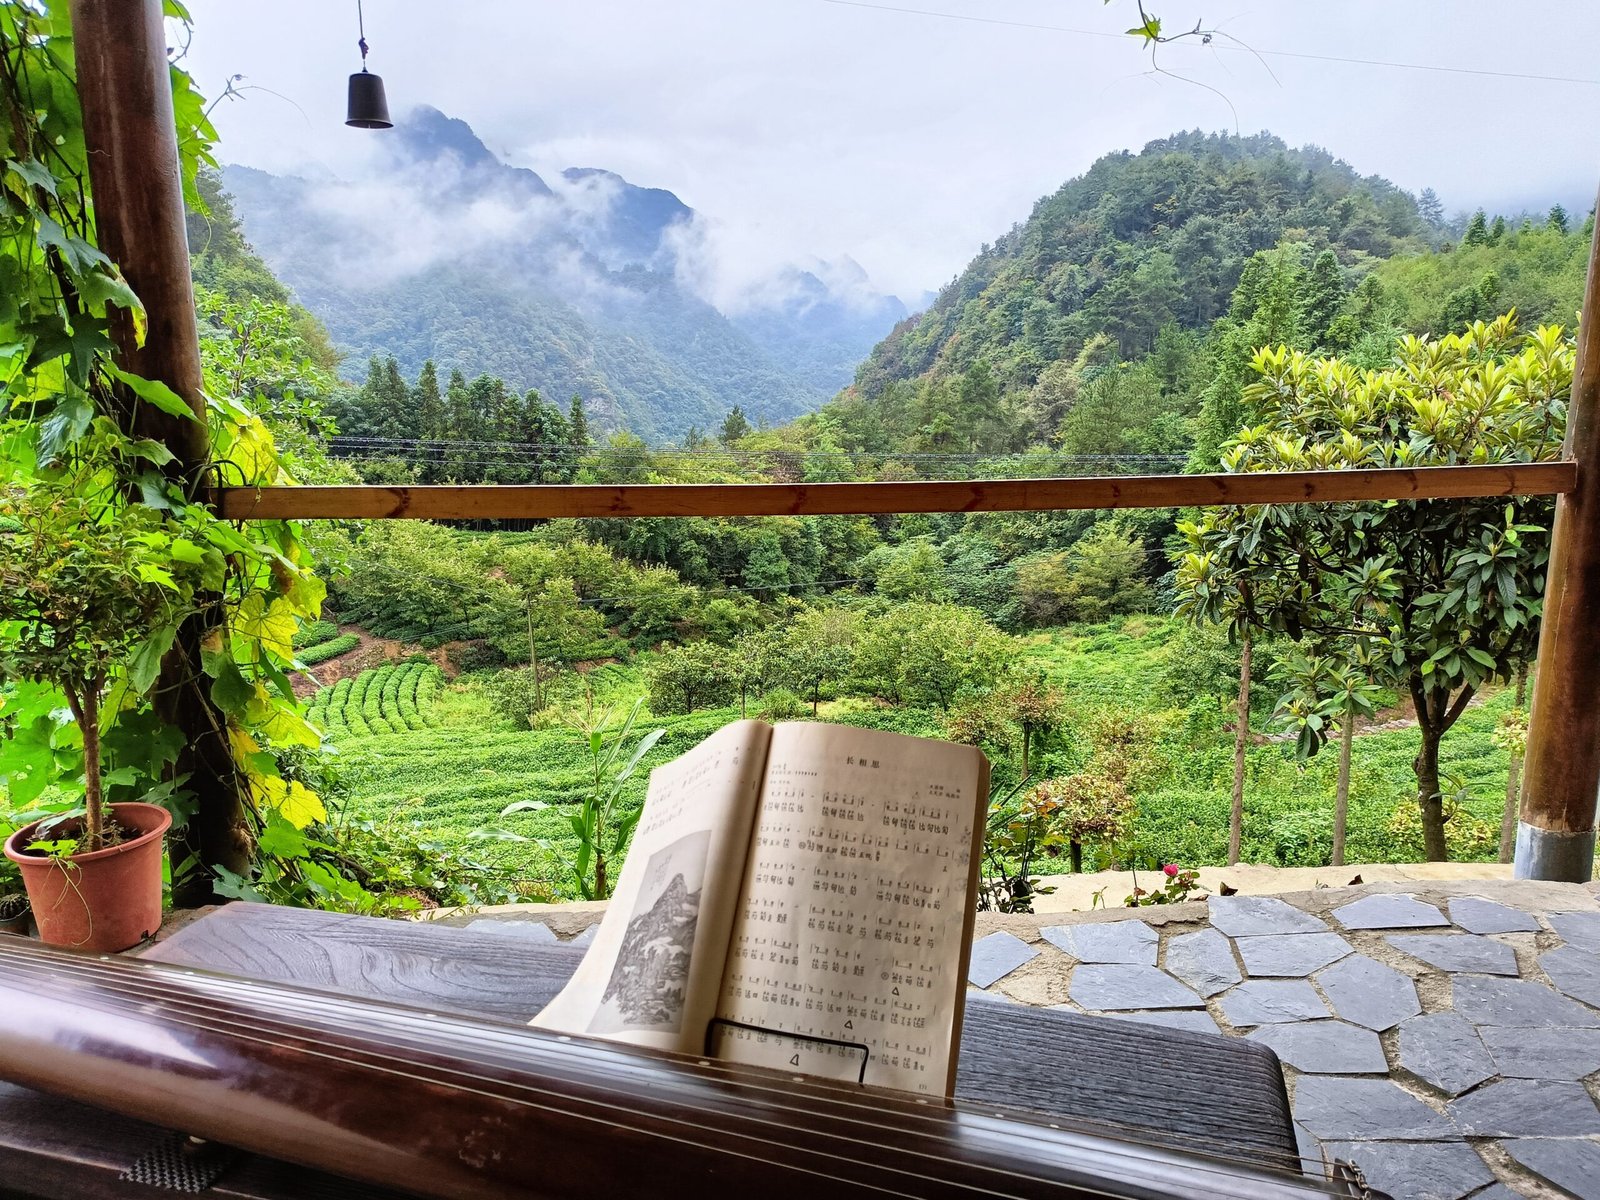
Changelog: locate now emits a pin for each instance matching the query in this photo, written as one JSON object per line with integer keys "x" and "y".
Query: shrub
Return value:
{"x": 780, "y": 704}
{"x": 314, "y": 632}
{"x": 322, "y": 652}
{"x": 476, "y": 656}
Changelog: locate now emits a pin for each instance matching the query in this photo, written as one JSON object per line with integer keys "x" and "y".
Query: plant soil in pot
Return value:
{"x": 106, "y": 900}
{"x": 14, "y": 913}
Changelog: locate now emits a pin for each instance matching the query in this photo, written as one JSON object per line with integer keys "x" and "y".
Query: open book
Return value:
{"x": 798, "y": 896}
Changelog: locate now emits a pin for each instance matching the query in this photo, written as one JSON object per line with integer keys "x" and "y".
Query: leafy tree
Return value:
{"x": 913, "y": 570}
{"x": 766, "y": 570}
{"x": 685, "y": 678}
{"x": 757, "y": 661}
{"x": 1086, "y": 807}
{"x": 1320, "y": 690}
{"x": 931, "y": 654}
{"x": 734, "y": 426}
{"x": 577, "y": 423}
{"x": 820, "y": 649}
{"x": 1035, "y": 707}
{"x": 1101, "y": 575}
{"x": 1449, "y": 592}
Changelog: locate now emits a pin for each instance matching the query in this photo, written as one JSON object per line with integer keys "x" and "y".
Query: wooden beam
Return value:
{"x": 1561, "y": 773}
{"x": 125, "y": 88}
{"x": 446, "y": 502}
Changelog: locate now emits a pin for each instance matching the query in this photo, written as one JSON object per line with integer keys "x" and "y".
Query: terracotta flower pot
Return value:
{"x": 105, "y": 901}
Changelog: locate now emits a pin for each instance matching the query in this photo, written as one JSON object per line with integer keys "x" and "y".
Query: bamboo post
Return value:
{"x": 125, "y": 88}
{"x": 1556, "y": 832}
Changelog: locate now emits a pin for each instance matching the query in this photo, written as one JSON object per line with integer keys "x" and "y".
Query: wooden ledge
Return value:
{"x": 467, "y": 502}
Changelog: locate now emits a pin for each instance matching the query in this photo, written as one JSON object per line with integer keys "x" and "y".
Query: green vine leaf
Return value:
{"x": 65, "y": 425}
{"x": 145, "y": 664}
{"x": 155, "y": 393}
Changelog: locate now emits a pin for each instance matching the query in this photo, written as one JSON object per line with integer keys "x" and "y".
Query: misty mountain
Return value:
{"x": 583, "y": 283}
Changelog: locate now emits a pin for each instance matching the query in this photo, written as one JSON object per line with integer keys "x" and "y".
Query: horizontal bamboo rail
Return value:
{"x": 468, "y": 502}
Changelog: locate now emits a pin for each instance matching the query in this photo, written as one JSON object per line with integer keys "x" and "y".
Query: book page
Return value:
{"x": 652, "y": 975}
{"x": 849, "y": 955}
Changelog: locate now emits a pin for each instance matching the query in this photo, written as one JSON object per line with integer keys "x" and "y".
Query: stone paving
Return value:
{"x": 1444, "y": 1036}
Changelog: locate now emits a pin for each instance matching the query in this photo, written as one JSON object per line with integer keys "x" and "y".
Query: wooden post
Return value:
{"x": 125, "y": 88}
{"x": 1556, "y": 832}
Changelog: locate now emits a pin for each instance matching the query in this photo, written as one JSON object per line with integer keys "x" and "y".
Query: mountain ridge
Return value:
{"x": 577, "y": 284}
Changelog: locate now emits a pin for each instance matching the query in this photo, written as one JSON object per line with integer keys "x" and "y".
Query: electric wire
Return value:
{"x": 1330, "y": 58}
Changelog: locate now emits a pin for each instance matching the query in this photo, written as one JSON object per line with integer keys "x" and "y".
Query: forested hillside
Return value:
{"x": 585, "y": 284}
{"x": 1119, "y": 318}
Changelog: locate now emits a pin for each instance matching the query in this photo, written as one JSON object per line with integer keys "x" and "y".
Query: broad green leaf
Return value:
{"x": 155, "y": 393}
{"x": 145, "y": 664}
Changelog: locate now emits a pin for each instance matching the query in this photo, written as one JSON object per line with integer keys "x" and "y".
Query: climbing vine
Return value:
{"x": 83, "y": 500}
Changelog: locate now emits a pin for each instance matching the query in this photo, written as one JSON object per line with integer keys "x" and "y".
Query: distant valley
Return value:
{"x": 584, "y": 284}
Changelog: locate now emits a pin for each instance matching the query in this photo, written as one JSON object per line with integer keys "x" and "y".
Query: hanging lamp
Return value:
{"x": 368, "y": 107}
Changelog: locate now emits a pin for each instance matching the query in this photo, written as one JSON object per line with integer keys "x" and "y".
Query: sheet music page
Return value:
{"x": 858, "y": 909}
{"x": 653, "y": 973}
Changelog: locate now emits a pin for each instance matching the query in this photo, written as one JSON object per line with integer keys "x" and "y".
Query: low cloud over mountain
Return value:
{"x": 435, "y": 248}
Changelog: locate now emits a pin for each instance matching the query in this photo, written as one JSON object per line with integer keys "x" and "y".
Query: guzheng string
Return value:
{"x": 123, "y": 980}
{"x": 526, "y": 1048}
{"x": 562, "y": 1058}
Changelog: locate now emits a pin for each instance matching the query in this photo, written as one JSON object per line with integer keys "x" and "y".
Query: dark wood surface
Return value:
{"x": 470, "y": 501}
{"x": 1179, "y": 1088}
{"x": 1188, "y": 1092}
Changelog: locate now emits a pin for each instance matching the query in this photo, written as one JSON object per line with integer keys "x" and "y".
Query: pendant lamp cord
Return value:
{"x": 361, "y": 25}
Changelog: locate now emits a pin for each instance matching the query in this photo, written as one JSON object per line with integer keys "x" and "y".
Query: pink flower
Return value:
{"x": 1171, "y": 870}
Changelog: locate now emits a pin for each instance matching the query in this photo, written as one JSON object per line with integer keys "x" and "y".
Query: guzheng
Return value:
{"x": 444, "y": 1106}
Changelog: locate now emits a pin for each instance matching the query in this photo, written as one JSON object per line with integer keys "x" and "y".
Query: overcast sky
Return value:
{"x": 817, "y": 128}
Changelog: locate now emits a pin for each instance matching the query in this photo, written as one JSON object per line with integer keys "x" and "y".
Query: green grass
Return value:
{"x": 410, "y": 741}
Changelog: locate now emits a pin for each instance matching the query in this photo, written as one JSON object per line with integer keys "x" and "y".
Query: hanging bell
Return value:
{"x": 369, "y": 108}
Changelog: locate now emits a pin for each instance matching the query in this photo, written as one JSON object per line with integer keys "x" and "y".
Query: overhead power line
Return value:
{"x": 1392, "y": 64}
{"x": 364, "y": 446}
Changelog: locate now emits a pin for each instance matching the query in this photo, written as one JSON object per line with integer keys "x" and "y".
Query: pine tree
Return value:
{"x": 1430, "y": 209}
{"x": 1557, "y": 219}
{"x": 1322, "y": 298}
{"x": 431, "y": 422}
{"x": 578, "y": 422}
{"x": 1477, "y": 230}
{"x": 1497, "y": 231}
{"x": 734, "y": 426}
{"x": 459, "y": 461}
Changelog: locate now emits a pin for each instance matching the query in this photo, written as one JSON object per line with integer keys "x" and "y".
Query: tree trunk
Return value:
{"x": 1428, "y": 798}
{"x": 1076, "y": 850}
{"x": 533, "y": 661}
{"x": 1341, "y": 796}
{"x": 1508, "y": 819}
{"x": 86, "y": 711}
{"x": 1241, "y": 741}
{"x": 1026, "y": 738}
{"x": 125, "y": 88}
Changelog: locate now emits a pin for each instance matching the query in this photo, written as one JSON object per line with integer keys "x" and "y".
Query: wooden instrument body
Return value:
{"x": 447, "y": 1106}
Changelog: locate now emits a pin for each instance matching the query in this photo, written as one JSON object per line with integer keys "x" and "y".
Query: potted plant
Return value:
{"x": 91, "y": 596}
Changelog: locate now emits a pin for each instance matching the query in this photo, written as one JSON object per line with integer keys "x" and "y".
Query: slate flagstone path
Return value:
{"x": 1443, "y": 1037}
